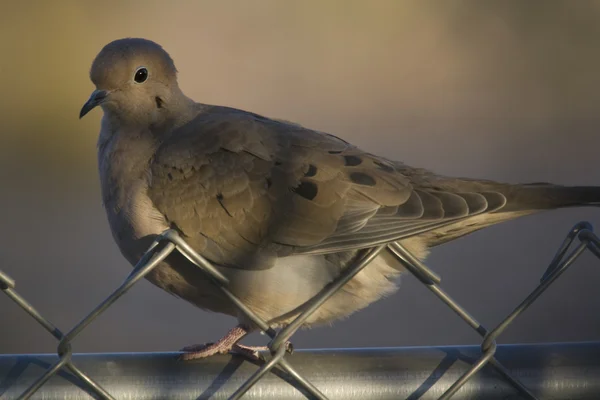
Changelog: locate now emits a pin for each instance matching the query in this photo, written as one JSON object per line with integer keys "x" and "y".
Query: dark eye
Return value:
{"x": 141, "y": 74}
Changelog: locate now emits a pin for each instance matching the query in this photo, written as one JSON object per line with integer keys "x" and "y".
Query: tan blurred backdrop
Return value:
{"x": 507, "y": 90}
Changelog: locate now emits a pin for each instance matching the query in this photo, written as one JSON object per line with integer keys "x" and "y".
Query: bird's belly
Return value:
{"x": 279, "y": 294}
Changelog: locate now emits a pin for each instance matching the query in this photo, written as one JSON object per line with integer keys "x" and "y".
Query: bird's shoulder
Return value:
{"x": 219, "y": 128}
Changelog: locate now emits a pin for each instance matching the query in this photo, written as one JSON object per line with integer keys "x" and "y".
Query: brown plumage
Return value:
{"x": 279, "y": 208}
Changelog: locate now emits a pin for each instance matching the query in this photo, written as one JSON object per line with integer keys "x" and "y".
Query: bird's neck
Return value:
{"x": 180, "y": 109}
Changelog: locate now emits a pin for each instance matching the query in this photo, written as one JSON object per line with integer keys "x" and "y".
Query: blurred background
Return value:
{"x": 505, "y": 90}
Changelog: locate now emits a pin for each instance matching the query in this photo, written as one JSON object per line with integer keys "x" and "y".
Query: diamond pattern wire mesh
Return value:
{"x": 170, "y": 241}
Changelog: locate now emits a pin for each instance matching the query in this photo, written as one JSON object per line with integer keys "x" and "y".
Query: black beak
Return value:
{"x": 97, "y": 98}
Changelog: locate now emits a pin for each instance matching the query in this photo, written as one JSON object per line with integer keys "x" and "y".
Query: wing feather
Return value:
{"x": 243, "y": 189}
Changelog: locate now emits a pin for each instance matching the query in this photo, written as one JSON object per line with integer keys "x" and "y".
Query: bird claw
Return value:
{"x": 206, "y": 350}
{"x": 252, "y": 353}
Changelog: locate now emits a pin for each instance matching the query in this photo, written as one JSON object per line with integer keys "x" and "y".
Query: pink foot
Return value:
{"x": 228, "y": 344}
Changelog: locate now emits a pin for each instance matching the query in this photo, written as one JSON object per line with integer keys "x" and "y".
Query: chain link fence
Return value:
{"x": 579, "y": 239}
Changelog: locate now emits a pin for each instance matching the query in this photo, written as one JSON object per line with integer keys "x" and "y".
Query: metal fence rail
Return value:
{"x": 169, "y": 241}
{"x": 555, "y": 371}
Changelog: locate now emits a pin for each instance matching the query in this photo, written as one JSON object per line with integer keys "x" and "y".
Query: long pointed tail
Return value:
{"x": 521, "y": 200}
{"x": 545, "y": 196}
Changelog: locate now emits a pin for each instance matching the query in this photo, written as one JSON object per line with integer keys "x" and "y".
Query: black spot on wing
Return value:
{"x": 306, "y": 189}
{"x": 361, "y": 178}
{"x": 220, "y": 200}
{"x": 352, "y": 161}
{"x": 312, "y": 171}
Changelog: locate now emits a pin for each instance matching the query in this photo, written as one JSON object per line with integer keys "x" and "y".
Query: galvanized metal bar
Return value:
{"x": 261, "y": 373}
{"x": 421, "y": 271}
{"x": 142, "y": 270}
{"x": 431, "y": 281}
{"x": 170, "y": 240}
{"x": 565, "y": 245}
{"x": 565, "y": 371}
{"x": 559, "y": 264}
{"x": 7, "y": 285}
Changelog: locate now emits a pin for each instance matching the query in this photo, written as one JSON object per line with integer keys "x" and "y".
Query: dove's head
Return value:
{"x": 136, "y": 81}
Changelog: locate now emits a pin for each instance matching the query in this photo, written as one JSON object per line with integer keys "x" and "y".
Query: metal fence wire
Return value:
{"x": 170, "y": 241}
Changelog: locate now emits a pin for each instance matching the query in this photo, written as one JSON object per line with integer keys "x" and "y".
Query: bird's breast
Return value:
{"x": 124, "y": 180}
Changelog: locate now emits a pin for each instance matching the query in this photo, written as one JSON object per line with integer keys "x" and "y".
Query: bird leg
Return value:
{"x": 228, "y": 344}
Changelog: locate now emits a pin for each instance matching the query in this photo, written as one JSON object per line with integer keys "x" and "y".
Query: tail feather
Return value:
{"x": 521, "y": 200}
{"x": 544, "y": 196}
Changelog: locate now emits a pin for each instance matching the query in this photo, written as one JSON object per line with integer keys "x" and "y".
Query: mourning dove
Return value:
{"x": 279, "y": 209}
